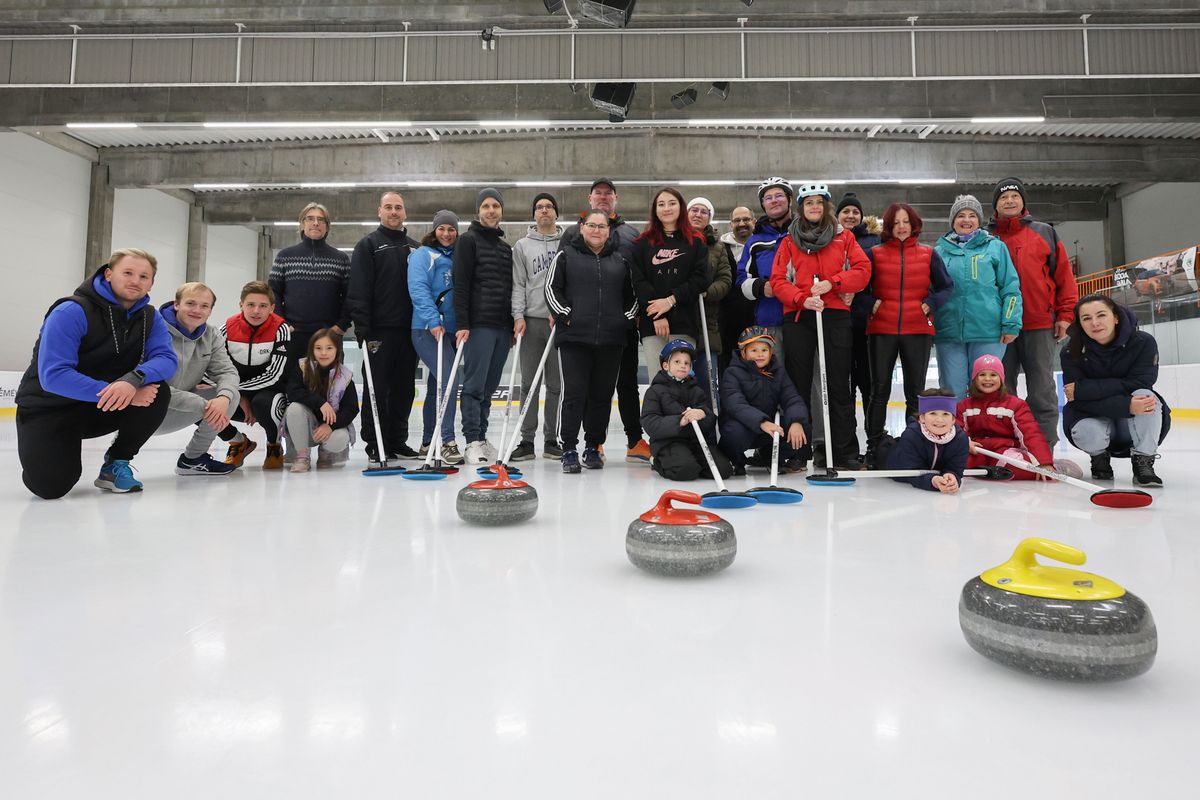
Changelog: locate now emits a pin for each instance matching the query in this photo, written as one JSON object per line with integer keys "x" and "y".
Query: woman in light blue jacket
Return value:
{"x": 984, "y": 311}
{"x": 431, "y": 286}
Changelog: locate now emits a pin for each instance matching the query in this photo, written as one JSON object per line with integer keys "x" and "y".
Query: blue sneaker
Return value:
{"x": 204, "y": 465}
{"x": 117, "y": 476}
{"x": 592, "y": 458}
{"x": 570, "y": 462}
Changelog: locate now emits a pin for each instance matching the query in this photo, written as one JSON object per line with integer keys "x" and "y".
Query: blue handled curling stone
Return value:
{"x": 1057, "y": 622}
{"x": 501, "y": 501}
{"x": 679, "y": 542}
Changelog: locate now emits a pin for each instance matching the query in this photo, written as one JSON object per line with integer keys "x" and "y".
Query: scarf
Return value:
{"x": 813, "y": 240}
{"x": 963, "y": 238}
{"x": 935, "y": 438}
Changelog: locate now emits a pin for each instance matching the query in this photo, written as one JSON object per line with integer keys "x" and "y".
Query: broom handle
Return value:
{"x": 512, "y": 382}
{"x": 437, "y": 427}
{"x": 1025, "y": 465}
{"x": 379, "y": 451}
{"x": 914, "y": 473}
{"x": 708, "y": 365}
{"x": 534, "y": 387}
{"x": 775, "y": 452}
{"x": 824, "y": 390}
{"x": 712, "y": 465}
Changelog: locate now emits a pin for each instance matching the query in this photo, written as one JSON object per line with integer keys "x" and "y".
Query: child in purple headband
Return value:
{"x": 932, "y": 441}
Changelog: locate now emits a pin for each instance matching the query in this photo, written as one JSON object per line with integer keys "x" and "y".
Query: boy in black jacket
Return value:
{"x": 672, "y": 401}
{"x": 753, "y": 388}
{"x": 934, "y": 442}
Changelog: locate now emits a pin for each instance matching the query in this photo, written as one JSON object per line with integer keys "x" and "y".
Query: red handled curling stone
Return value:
{"x": 502, "y": 501}
{"x": 1056, "y": 622}
{"x": 679, "y": 542}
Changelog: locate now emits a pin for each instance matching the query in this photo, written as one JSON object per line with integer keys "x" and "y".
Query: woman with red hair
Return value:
{"x": 909, "y": 283}
{"x": 670, "y": 272}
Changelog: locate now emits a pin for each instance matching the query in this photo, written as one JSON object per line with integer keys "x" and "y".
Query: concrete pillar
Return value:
{"x": 1114, "y": 232}
{"x": 197, "y": 244}
{"x": 100, "y": 220}
{"x": 264, "y": 253}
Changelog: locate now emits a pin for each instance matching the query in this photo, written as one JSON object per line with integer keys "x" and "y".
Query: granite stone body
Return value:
{"x": 501, "y": 501}
{"x": 1075, "y": 640}
{"x": 680, "y": 543}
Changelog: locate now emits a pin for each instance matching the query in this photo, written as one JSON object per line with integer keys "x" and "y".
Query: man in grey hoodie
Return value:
{"x": 531, "y": 261}
{"x": 204, "y": 389}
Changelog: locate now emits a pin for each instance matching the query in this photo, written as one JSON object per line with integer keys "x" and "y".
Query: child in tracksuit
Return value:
{"x": 672, "y": 401}
{"x": 753, "y": 389}
{"x": 999, "y": 421}
{"x": 932, "y": 442}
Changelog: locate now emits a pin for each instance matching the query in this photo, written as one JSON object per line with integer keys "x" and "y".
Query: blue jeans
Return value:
{"x": 426, "y": 347}
{"x": 483, "y": 367}
{"x": 955, "y": 359}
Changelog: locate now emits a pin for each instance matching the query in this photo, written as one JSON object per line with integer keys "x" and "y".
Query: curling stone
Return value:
{"x": 1057, "y": 622}
{"x": 680, "y": 542}
{"x": 500, "y": 501}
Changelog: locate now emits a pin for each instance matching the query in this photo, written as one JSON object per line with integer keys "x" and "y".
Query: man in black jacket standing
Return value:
{"x": 309, "y": 280}
{"x": 381, "y": 310}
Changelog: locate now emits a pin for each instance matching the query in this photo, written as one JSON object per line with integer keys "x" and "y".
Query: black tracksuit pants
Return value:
{"x": 589, "y": 375}
{"x": 50, "y": 440}
{"x": 736, "y": 439}
{"x": 883, "y": 348}
{"x": 394, "y": 374}
{"x": 262, "y": 403}
{"x": 800, "y": 360}
{"x": 629, "y": 399}
{"x": 683, "y": 460}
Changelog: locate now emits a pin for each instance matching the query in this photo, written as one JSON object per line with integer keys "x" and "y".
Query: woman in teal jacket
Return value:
{"x": 984, "y": 311}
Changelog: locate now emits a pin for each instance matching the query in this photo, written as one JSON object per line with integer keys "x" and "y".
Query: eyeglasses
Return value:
{"x": 773, "y": 197}
{"x": 596, "y": 226}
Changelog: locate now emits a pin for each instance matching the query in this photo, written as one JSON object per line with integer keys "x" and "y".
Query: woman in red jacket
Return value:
{"x": 1001, "y": 422}
{"x": 816, "y": 263}
{"x": 909, "y": 283}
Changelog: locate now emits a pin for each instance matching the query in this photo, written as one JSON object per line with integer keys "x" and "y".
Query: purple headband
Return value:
{"x": 936, "y": 403}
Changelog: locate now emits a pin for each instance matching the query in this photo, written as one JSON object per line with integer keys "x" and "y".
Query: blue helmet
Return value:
{"x": 677, "y": 346}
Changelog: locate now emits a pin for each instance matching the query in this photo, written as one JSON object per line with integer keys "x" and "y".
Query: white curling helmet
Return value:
{"x": 812, "y": 190}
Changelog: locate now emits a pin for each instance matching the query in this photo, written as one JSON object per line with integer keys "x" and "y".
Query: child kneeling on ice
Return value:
{"x": 1001, "y": 422}
{"x": 673, "y": 400}
{"x": 753, "y": 389}
{"x": 322, "y": 404}
{"x": 933, "y": 442}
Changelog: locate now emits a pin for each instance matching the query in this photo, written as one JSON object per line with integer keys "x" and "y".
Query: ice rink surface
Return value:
{"x": 330, "y": 635}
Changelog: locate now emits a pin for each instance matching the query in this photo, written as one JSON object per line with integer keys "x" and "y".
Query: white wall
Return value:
{"x": 157, "y": 223}
{"x": 232, "y": 262}
{"x": 1161, "y": 218}
{"x": 1090, "y": 236}
{"x": 44, "y": 205}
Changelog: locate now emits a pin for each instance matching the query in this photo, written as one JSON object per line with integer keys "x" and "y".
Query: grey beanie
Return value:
{"x": 445, "y": 217}
{"x": 965, "y": 202}
{"x": 484, "y": 194}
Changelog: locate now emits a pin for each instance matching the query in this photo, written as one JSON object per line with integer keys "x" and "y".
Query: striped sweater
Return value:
{"x": 310, "y": 280}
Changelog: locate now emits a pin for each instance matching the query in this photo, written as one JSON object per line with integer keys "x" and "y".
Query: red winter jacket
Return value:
{"x": 841, "y": 262}
{"x": 905, "y": 274}
{"x": 1048, "y": 289}
{"x": 997, "y": 423}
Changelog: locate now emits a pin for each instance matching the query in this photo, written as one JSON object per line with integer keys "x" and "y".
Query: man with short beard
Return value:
{"x": 735, "y": 313}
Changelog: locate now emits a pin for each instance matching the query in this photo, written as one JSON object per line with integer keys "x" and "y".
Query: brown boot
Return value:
{"x": 274, "y": 458}
{"x": 239, "y": 450}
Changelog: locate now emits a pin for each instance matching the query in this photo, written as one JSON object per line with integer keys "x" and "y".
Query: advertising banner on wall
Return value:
{"x": 1165, "y": 281}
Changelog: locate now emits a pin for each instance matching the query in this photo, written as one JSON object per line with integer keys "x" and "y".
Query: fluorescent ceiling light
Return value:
{"x": 103, "y": 125}
{"x": 708, "y": 183}
{"x": 514, "y": 123}
{"x": 328, "y": 185}
{"x": 911, "y": 181}
{"x": 310, "y": 125}
{"x": 435, "y": 184}
{"x": 791, "y": 121}
{"x": 536, "y": 184}
{"x": 989, "y": 120}
{"x": 217, "y": 186}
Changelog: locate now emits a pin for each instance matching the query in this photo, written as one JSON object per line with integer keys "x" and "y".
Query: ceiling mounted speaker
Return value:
{"x": 613, "y": 99}
{"x": 685, "y": 98}
{"x": 613, "y": 13}
{"x": 554, "y": 7}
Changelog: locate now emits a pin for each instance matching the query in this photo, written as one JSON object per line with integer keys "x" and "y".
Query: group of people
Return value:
{"x": 727, "y": 326}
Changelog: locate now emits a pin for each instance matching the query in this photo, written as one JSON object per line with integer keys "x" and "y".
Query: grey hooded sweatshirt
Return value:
{"x": 531, "y": 261}
{"x": 202, "y": 358}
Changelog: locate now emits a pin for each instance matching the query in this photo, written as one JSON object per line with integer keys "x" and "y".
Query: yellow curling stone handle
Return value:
{"x": 1024, "y": 575}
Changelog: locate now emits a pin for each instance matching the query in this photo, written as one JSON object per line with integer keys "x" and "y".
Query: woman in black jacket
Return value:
{"x": 670, "y": 272}
{"x": 591, "y": 297}
{"x": 1109, "y": 371}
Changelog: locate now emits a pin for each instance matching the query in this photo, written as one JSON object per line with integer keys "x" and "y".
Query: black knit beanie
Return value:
{"x": 1008, "y": 185}
{"x": 543, "y": 196}
{"x": 849, "y": 199}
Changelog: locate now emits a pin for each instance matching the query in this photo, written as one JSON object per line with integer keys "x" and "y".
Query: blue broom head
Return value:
{"x": 424, "y": 474}
{"x": 727, "y": 499}
{"x": 829, "y": 479}
{"x": 374, "y": 472}
{"x": 775, "y": 495}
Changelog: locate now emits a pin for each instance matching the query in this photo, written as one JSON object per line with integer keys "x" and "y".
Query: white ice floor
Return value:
{"x": 335, "y": 636}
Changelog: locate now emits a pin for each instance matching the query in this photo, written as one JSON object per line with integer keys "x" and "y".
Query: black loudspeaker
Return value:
{"x": 554, "y": 7}
{"x": 613, "y": 13}
{"x": 613, "y": 99}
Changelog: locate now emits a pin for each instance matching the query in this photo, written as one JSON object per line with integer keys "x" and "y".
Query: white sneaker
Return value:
{"x": 489, "y": 450}
{"x": 475, "y": 454}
